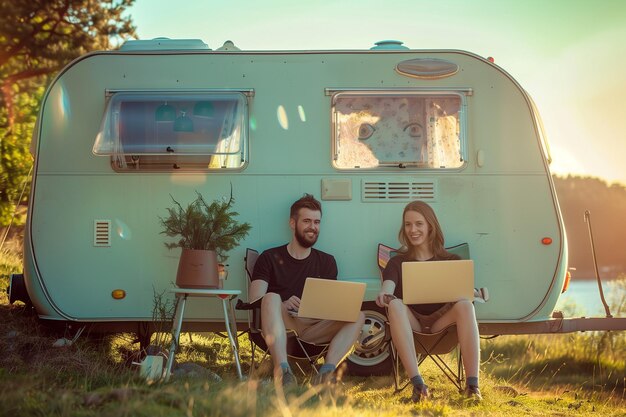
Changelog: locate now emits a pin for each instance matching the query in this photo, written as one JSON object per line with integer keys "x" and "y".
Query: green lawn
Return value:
{"x": 558, "y": 375}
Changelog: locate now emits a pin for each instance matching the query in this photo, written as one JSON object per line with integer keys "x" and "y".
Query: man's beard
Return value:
{"x": 303, "y": 240}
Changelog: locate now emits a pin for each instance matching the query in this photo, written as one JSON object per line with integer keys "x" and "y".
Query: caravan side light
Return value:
{"x": 568, "y": 277}
{"x": 546, "y": 240}
{"x": 118, "y": 294}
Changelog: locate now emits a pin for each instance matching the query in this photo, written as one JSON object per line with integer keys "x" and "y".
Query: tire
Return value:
{"x": 371, "y": 357}
{"x": 17, "y": 290}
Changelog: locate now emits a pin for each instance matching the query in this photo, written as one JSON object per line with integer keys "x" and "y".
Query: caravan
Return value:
{"x": 365, "y": 131}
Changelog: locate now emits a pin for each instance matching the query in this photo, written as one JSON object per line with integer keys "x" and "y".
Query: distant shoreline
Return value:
{"x": 602, "y": 278}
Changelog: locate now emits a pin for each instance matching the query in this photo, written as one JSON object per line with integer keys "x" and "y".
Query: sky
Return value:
{"x": 569, "y": 55}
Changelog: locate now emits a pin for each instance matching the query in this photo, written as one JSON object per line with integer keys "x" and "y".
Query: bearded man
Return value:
{"x": 279, "y": 276}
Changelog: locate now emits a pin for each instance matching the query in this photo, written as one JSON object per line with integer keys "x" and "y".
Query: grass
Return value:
{"x": 583, "y": 362}
{"x": 590, "y": 364}
{"x": 559, "y": 375}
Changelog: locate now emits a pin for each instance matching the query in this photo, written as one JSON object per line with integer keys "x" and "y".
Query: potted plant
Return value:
{"x": 205, "y": 231}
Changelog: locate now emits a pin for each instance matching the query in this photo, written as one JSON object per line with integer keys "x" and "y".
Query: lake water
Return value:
{"x": 583, "y": 298}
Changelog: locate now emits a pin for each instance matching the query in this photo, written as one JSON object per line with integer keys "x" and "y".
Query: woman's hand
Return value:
{"x": 380, "y": 299}
{"x": 383, "y": 299}
{"x": 386, "y": 293}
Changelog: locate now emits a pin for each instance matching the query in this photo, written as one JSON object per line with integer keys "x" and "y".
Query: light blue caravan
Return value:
{"x": 365, "y": 131}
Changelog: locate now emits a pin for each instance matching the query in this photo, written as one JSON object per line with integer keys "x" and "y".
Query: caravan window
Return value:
{"x": 398, "y": 129}
{"x": 174, "y": 131}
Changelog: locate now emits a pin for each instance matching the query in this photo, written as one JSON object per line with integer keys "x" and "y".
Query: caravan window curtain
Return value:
{"x": 398, "y": 130}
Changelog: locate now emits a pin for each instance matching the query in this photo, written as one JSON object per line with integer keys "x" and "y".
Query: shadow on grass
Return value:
{"x": 563, "y": 370}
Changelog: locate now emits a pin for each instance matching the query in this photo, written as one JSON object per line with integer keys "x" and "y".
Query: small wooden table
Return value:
{"x": 229, "y": 320}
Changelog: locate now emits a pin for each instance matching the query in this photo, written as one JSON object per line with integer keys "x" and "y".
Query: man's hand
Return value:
{"x": 292, "y": 303}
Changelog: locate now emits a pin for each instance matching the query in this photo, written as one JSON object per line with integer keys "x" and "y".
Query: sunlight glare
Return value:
{"x": 565, "y": 162}
{"x": 301, "y": 113}
{"x": 281, "y": 115}
{"x": 60, "y": 101}
{"x": 123, "y": 230}
{"x": 191, "y": 179}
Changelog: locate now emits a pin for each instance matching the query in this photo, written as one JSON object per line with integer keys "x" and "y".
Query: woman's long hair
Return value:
{"x": 435, "y": 235}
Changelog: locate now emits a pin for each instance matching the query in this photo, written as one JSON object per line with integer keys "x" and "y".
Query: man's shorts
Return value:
{"x": 312, "y": 330}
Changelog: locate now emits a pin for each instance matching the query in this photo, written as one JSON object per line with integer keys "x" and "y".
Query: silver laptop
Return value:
{"x": 437, "y": 281}
{"x": 331, "y": 299}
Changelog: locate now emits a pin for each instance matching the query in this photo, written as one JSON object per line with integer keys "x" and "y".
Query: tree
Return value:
{"x": 37, "y": 39}
{"x": 607, "y": 205}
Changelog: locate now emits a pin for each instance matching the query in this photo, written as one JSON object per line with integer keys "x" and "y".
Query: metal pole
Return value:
{"x": 230, "y": 321}
{"x": 181, "y": 299}
{"x": 595, "y": 264}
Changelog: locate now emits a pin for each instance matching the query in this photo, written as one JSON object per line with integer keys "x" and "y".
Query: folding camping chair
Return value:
{"x": 297, "y": 349}
{"x": 429, "y": 345}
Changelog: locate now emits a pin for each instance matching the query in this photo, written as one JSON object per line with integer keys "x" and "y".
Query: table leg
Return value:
{"x": 233, "y": 322}
{"x": 177, "y": 325}
{"x": 228, "y": 319}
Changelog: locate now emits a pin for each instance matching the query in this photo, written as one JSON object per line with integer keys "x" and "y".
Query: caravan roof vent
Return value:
{"x": 427, "y": 68}
{"x": 228, "y": 46}
{"x": 163, "y": 44}
{"x": 389, "y": 45}
{"x": 397, "y": 190}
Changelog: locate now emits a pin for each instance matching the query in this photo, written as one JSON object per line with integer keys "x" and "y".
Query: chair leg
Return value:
{"x": 455, "y": 378}
{"x": 460, "y": 370}
{"x": 254, "y": 366}
{"x": 395, "y": 367}
{"x": 420, "y": 358}
{"x": 253, "y": 356}
{"x": 311, "y": 359}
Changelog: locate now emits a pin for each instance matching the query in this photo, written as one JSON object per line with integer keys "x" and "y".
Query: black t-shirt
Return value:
{"x": 285, "y": 275}
{"x": 393, "y": 272}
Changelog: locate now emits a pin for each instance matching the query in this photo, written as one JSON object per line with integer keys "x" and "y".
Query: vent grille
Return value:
{"x": 373, "y": 191}
{"x": 102, "y": 232}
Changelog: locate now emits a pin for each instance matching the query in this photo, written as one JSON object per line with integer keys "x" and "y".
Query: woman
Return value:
{"x": 422, "y": 240}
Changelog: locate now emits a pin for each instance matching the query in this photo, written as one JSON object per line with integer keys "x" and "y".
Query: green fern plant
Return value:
{"x": 204, "y": 226}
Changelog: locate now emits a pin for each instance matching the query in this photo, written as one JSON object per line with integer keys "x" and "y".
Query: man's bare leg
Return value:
{"x": 274, "y": 330}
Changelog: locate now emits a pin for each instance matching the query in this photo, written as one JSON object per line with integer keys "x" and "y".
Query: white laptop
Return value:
{"x": 437, "y": 281}
{"x": 331, "y": 299}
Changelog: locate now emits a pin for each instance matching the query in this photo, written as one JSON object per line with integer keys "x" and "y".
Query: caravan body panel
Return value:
{"x": 500, "y": 199}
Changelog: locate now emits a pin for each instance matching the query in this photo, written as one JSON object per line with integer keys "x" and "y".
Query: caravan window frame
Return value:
{"x": 214, "y": 138}
{"x": 361, "y": 132}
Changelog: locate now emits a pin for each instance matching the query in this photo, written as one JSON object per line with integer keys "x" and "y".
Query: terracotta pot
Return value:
{"x": 197, "y": 269}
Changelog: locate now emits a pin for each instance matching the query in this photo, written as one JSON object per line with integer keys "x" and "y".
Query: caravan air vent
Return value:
{"x": 163, "y": 44}
{"x": 389, "y": 45}
{"x": 102, "y": 232}
{"x": 379, "y": 191}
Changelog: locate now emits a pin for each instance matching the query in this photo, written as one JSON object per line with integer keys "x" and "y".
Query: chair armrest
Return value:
{"x": 241, "y": 305}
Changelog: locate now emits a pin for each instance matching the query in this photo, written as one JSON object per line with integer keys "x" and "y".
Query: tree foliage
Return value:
{"x": 607, "y": 205}
{"x": 37, "y": 39}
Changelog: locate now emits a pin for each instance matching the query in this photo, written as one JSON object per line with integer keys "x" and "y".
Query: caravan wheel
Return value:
{"x": 371, "y": 355}
{"x": 17, "y": 290}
